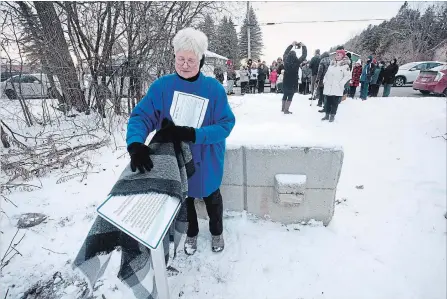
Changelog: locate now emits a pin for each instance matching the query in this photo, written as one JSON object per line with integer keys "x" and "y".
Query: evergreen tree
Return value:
{"x": 227, "y": 44}
{"x": 409, "y": 36}
{"x": 209, "y": 28}
{"x": 256, "y": 43}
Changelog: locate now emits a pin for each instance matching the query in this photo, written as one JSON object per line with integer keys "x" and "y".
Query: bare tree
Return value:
{"x": 60, "y": 55}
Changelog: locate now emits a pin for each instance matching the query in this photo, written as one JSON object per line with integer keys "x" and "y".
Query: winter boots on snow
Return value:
{"x": 217, "y": 244}
{"x": 283, "y": 106}
{"x": 329, "y": 117}
{"x": 190, "y": 245}
{"x": 287, "y": 106}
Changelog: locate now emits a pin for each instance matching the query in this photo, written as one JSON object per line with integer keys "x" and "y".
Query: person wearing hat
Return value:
{"x": 389, "y": 74}
{"x": 355, "y": 81}
{"x": 207, "y": 142}
{"x": 365, "y": 78}
{"x": 334, "y": 82}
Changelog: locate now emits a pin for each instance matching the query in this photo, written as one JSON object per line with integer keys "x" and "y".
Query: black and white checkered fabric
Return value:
{"x": 173, "y": 165}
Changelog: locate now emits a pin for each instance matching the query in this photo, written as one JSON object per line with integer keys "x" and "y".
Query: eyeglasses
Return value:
{"x": 189, "y": 62}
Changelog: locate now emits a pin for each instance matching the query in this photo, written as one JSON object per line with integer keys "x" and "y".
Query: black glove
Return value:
{"x": 178, "y": 133}
{"x": 140, "y": 157}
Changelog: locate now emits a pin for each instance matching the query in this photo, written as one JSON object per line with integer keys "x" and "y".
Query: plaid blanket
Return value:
{"x": 173, "y": 165}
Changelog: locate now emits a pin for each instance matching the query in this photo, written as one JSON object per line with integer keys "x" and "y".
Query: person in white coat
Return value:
{"x": 334, "y": 82}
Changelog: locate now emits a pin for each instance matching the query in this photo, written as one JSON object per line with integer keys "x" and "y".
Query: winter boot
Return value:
{"x": 283, "y": 106}
{"x": 217, "y": 243}
{"x": 190, "y": 245}
{"x": 322, "y": 110}
{"x": 331, "y": 118}
{"x": 287, "y": 106}
{"x": 326, "y": 117}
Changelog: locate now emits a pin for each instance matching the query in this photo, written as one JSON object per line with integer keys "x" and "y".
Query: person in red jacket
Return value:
{"x": 355, "y": 81}
{"x": 273, "y": 78}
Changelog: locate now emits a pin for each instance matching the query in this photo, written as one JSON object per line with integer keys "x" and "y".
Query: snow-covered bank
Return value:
{"x": 387, "y": 240}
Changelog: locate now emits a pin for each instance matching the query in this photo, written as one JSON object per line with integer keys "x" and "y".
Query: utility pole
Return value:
{"x": 248, "y": 30}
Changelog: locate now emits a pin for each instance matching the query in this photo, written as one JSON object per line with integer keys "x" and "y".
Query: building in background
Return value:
{"x": 211, "y": 61}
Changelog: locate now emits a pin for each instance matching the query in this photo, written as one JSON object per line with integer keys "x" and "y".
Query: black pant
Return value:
{"x": 287, "y": 97}
{"x": 332, "y": 104}
{"x": 320, "y": 95}
{"x": 252, "y": 86}
{"x": 374, "y": 88}
{"x": 352, "y": 90}
{"x": 260, "y": 86}
{"x": 244, "y": 88}
{"x": 214, "y": 207}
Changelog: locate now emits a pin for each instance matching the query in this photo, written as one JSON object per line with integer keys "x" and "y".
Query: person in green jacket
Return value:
{"x": 376, "y": 79}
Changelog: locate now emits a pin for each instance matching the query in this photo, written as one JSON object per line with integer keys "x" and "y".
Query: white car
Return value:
{"x": 27, "y": 85}
{"x": 409, "y": 72}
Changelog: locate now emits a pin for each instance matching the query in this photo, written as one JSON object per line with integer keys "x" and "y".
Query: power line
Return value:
{"x": 315, "y": 21}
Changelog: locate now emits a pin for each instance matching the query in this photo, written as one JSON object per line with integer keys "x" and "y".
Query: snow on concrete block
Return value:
{"x": 234, "y": 166}
{"x": 290, "y": 189}
{"x": 290, "y": 183}
{"x": 322, "y": 166}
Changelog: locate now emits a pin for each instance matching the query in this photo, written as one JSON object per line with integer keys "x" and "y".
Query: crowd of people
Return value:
{"x": 330, "y": 80}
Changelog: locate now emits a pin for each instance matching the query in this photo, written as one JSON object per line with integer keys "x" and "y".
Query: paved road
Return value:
{"x": 406, "y": 91}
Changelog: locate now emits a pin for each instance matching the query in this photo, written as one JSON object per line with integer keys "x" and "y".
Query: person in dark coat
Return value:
{"x": 389, "y": 74}
{"x": 262, "y": 75}
{"x": 322, "y": 69}
{"x": 291, "y": 66}
{"x": 365, "y": 78}
{"x": 314, "y": 64}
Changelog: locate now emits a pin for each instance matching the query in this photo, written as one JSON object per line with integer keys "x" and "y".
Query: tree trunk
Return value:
{"x": 4, "y": 138}
{"x": 60, "y": 55}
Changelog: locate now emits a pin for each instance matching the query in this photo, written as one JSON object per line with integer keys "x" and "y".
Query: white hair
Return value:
{"x": 190, "y": 39}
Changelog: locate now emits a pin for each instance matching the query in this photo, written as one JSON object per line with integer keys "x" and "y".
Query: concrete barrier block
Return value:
{"x": 318, "y": 204}
{"x": 322, "y": 166}
{"x": 234, "y": 167}
{"x": 233, "y": 197}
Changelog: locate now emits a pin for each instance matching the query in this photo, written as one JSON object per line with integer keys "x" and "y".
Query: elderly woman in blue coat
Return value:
{"x": 207, "y": 143}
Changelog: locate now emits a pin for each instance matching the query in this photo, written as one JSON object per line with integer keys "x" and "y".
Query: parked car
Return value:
{"x": 409, "y": 72}
{"x": 6, "y": 75}
{"x": 28, "y": 85}
{"x": 432, "y": 81}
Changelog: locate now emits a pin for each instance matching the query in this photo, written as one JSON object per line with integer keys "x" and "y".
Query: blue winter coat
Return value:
{"x": 209, "y": 149}
{"x": 375, "y": 76}
{"x": 367, "y": 72}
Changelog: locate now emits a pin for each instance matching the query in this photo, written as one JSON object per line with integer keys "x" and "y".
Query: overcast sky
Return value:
{"x": 317, "y": 35}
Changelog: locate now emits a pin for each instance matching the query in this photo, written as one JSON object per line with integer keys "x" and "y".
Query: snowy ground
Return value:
{"x": 387, "y": 240}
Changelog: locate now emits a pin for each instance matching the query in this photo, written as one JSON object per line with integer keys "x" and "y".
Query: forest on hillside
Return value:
{"x": 411, "y": 35}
